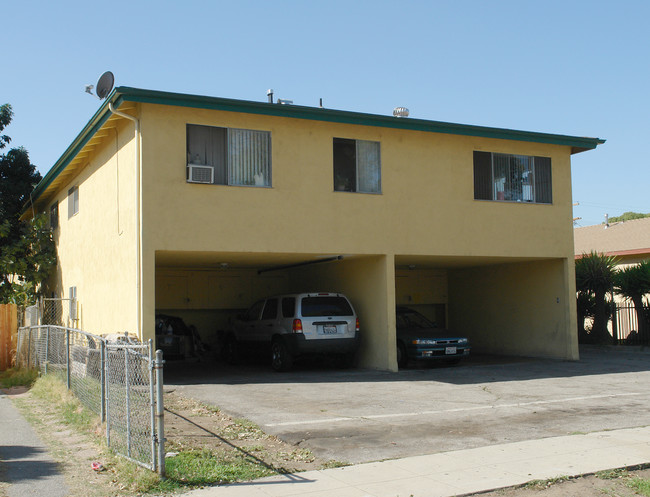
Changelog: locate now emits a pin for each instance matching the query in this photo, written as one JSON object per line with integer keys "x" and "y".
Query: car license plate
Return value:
{"x": 329, "y": 330}
{"x": 450, "y": 350}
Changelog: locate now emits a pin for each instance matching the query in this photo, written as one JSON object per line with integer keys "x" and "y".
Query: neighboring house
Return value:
{"x": 197, "y": 206}
{"x": 629, "y": 241}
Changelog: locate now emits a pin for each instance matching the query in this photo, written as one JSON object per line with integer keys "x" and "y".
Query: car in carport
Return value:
{"x": 296, "y": 325}
{"x": 418, "y": 338}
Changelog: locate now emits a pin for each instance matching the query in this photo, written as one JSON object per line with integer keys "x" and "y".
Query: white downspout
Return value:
{"x": 138, "y": 217}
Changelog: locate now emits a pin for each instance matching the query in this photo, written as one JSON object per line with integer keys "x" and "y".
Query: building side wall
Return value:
{"x": 96, "y": 247}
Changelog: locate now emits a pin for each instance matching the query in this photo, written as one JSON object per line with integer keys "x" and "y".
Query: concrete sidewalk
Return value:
{"x": 458, "y": 472}
{"x": 24, "y": 460}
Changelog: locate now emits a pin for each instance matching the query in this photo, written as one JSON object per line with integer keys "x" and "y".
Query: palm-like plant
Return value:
{"x": 595, "y": 276}
{"x": 633, "y": 282}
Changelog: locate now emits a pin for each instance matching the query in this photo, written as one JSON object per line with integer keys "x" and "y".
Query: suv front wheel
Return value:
{"x": 281, "y": 359}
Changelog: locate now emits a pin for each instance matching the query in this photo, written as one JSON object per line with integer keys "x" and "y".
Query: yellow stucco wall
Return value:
{"x": 427, "y": 205}
{"x": 519, "y": 309}
{"x": 96, "y": 247}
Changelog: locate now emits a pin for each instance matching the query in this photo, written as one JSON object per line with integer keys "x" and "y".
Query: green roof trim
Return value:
{"x": 126, "y": 94}
{"x": 339, "y": 116}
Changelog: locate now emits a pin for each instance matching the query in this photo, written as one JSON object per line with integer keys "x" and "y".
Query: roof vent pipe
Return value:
{"x": 269, "y": 93}
{"x": 606, "y": 221}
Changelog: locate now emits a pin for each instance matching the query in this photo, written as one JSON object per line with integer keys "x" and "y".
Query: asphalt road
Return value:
{"x": 361, "y": 416}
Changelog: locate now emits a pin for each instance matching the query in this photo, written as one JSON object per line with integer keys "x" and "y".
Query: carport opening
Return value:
{"x": 505, "y": 306}
{"x": 209, "y": 290}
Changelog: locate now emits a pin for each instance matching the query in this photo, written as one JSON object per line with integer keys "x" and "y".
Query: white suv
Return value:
{"x": 296, "y": 324}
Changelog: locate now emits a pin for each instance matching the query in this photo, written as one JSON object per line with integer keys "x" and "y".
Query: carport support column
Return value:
{"x": 374, "y": 297}
{"x": 570, "y": 306}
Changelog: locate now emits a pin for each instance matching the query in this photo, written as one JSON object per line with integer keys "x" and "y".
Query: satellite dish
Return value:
{"x": 105, "y": 84}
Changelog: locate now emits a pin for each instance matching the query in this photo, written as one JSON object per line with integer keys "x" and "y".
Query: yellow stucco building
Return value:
{"x": 197, "y": 206}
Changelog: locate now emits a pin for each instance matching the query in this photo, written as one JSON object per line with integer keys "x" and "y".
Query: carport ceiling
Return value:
{"x": 455, "y": 262}
{"x": 234, "y": 260}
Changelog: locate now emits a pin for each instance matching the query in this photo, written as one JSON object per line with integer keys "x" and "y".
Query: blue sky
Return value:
{"x": 567, "y": 67}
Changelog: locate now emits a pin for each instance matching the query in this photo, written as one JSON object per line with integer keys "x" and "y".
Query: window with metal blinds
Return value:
{"x": 512, "y": 178}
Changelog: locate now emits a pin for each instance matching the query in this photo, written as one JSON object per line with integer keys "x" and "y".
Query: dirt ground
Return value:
{"x": 613, "y": 483}
{"x": 191, "y": 425}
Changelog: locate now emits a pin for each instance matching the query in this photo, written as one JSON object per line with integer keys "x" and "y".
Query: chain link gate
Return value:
{"x": 121, "y": 382}
{"x": 130, "y": 402}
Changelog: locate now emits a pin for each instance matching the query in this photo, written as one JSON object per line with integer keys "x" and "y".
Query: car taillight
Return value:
{"x": 357, "y": 326}
{"x": 297, "y": 326}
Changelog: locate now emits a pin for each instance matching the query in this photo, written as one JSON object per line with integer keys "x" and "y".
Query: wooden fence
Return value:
{"x": 8, "y": 329}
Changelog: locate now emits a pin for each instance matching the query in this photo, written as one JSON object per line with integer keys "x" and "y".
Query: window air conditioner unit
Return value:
{"x": 198, "y": 173}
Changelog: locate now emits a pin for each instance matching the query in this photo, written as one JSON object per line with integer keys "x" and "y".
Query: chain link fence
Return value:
{"x": 59, "y": 312}
{"x": 120, "y": 380}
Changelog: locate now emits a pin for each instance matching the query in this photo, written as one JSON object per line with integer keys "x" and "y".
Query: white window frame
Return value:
{"x": 73, "y": 201}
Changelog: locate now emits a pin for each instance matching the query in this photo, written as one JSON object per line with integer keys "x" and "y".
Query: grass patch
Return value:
{"x": 202, "y": 467}
{"x": 50, "y": 389}
{"x": 18, "y": 377}
{"x": 640, "y": 486}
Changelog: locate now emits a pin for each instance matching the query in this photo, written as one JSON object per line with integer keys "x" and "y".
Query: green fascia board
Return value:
{"x": 346, "y": 117}
{"x": 95, "y": 123}
{"x": 137, "y": 95}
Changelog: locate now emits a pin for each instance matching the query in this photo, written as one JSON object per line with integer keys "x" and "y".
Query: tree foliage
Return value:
{"x": 26, "y": 262}
{"x": 627, "y": 216}
{"x": 27, "y": 253}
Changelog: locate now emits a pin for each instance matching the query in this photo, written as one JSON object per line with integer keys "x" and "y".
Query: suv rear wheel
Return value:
{"x": 281, "y": 359}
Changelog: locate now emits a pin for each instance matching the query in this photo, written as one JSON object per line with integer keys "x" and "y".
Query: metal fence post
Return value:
{"x": 160, "y": 413}
{"x": 128, "y": 401}
{"x": 47, "y": 347}
{"x": 108, "y": 398}
{"x": 67, "y": 356}
{"x": 29, "y": 349}
{"x": 615, "y": 323}
{"x": 102, "y": 380}
{"x": 152, "y": 402}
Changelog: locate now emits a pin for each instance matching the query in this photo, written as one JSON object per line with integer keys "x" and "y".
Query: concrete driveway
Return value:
{"x": 361, "y": 416}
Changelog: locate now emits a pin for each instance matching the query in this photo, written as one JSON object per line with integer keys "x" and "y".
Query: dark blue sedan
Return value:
{"x": 420, "y": 339}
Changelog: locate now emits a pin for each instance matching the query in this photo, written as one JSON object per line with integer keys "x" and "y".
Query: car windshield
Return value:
{"x": 412, "y": 319}
{"x": 325, "y": 306}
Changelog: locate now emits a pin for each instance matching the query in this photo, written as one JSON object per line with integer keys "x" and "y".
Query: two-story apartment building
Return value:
{"x": 197, "y": 206}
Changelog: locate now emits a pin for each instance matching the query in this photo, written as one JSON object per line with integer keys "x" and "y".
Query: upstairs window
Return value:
{"x": 54, "y": 216}
{"x": 512, "y": 178}
{"x": 73, "y": 201}
{"x": 357, "y": 166}
{"x": 228, "y": 156}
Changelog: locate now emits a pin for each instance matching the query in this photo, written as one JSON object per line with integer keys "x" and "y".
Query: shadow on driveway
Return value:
{"x": 478, "y": 368}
